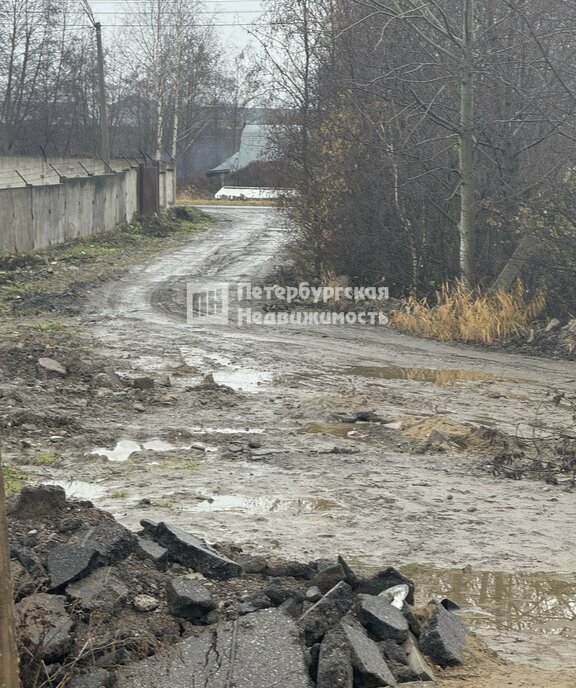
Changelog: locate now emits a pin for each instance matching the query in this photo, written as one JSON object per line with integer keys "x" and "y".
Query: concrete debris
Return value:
{"x": 382, "y": 619}
{"x": 97, "y": 678}
{"x": 443, "y": 637}
{"x": 48, "y": 367}
{"x": 68, "y": 563}
{"x": 256, "y": 651}
{"x": 191, "y": 551}
{"x": 145, "y": 603}
{"x": 254, "y": 564}
{"x": 367, "y": 660}
{"x": 189, "y": 599}
{"x": 329, "y": 577}
{"x": 100, "y": 590}
{"x": 326, "y": 613}
{"x": 39, "y": 500}
{"x": 110, "y": 539}
{"x": 416, "y": 661}
{"x": 143, "y": 382}
{"x": 385, "y": 579}
{"x": 45, "y": 626}
{"x": 148, "y": 549}
{"x": 160, "y": 612}
{"x": 334, "y": 663}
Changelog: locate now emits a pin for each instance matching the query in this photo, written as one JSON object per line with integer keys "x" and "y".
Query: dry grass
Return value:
{"x": 470, "y": 316}
{"x": 14, "y": 479}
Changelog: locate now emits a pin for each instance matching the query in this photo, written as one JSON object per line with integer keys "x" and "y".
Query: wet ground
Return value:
{"x": 271, "y": 457}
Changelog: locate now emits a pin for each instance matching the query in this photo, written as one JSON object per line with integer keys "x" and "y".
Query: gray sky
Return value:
{"x": 230, "y": 14}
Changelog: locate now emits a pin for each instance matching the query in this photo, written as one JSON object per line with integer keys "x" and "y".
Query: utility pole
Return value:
{"x": 9, "y": 677}
{"x": 104, "y": 132}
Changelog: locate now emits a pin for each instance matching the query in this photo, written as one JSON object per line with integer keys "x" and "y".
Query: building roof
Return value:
{"x": 253, "y": 146}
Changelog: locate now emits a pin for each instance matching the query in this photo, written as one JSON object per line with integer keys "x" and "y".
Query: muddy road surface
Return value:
{"x": 271, "y": 455}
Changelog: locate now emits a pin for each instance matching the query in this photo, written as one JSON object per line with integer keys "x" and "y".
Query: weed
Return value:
{"x": 48, "y": 326}
{"x": 46, "y": 459}
{"x": 460, "y": 314}
{"x": 189, "y": 466}
{"x": 14, "y": 479}
{"x": 164, "y": 503}
{"x": 119, "y": 494}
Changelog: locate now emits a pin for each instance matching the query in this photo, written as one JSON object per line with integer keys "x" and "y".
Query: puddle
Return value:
{"x": 519, "y": 611}
{"x": 350, "y": 430}
{"x": 125, "y": 448}
{"x": 438, "y": 377}
{"x": 226, "y": 431}
{"x": 244, "y": 380}
{"x": 258, "y": 505}
{"x": 239, "y": 379}
{"x": 78, "y": 489}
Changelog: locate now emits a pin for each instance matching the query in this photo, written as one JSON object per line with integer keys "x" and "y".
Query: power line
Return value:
{"x": 259, "y": 25}
{"x": 194, "y": 2}
{"x": 211, "y": 12}
{"x": 202, "y": 2}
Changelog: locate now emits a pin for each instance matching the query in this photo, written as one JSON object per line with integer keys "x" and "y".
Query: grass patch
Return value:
{"x": 14, "y": 479}
{"x": 462, "y": 315}
{"x": 164, "y": 503}
{"x": 119, "y": 494}
{"x": 189, "y": 466}
{"x": 54, "y": 278}
{"x": 45, "y": 459}
{"x": 48, "y": 326}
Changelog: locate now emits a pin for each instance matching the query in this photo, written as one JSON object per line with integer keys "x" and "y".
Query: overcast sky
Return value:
{"x": 230, "y": 15}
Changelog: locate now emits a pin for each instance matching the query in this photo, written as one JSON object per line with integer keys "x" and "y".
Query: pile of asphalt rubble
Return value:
{"x": 99, "y": 606}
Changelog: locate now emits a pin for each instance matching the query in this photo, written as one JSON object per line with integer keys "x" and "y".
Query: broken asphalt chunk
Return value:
{"x": 334, "y": 663}
{"x": 191, "y": 551}
{"x": 257, "y": 651}
{"x": 443, "y": 637}
{"x": 189, "y": 599}
{"x": 367, "y": 660}
{"x": 382, "y": 619}
{"x": 68, "y": 563}
{"x": 326, "y": 613}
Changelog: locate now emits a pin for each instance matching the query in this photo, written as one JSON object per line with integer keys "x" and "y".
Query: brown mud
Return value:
{"x": 269, "y": 455}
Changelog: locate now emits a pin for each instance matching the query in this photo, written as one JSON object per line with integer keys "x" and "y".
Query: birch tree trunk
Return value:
{"x": 466, "y": 137}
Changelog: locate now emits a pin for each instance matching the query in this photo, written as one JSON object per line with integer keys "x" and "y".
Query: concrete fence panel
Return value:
{"x": 36, "y": 217}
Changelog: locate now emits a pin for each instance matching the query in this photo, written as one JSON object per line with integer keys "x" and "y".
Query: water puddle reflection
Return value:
{"x": 226, "y": 431}
{"x": 125, "y": 448}
{"x": 258, "y": 505}
{"x": 515, "y": 612}
{"x": 244, "y": 380}
{"x": 78, "y": 489}
{"x": 438, "y": 377}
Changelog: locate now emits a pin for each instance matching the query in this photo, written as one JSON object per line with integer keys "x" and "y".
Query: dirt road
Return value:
{"x": 269, "y": 467}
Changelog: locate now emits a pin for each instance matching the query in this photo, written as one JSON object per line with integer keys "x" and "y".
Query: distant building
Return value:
{"x": 254, "y": 146}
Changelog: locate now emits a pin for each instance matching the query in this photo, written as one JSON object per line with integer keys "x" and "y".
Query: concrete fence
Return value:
{"x": 82, "y": 197}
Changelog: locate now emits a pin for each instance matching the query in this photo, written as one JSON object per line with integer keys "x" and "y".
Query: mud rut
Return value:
{"x": 374, "y": 501}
